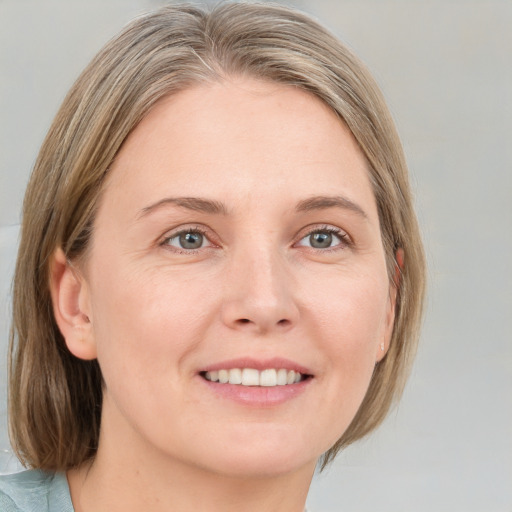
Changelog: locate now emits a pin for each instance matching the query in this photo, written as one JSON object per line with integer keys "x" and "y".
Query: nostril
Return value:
{"x": 283, "y": 321}
{"x": 262, "y": 323}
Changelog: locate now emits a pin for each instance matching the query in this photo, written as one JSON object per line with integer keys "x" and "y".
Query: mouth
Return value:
{"x": 269, "y": 377}
{"x": 257, "y": 383}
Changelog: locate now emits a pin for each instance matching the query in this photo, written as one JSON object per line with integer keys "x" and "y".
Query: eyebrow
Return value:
{"x": 325, "y": 202}
{"x": 216, "y": 207}
{"x": 191, "y": 203}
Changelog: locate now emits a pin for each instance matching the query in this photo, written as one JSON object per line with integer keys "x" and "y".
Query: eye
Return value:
{"x": 326, "y": 238}
{"x": 189, "y": 240}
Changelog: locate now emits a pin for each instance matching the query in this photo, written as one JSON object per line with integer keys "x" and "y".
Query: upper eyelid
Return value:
{"x": 313, "y": 228}
{"x": 346, "y": 241}
{"x": 172, "y": 233}
{"x": 164, "y": 242}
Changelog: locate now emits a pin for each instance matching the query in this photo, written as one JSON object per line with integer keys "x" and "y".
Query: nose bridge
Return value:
{"x": 259, "y": 292}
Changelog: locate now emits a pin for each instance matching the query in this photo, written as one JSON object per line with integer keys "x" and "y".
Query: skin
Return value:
{"x": 155, "y": 314}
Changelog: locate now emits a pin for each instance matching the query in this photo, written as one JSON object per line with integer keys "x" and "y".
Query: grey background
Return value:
{"x": 445, "y": 67}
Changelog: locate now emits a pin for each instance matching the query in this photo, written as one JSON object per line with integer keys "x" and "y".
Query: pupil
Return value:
{"x": 321, "y": 240}
{"x": 191, "y": 240}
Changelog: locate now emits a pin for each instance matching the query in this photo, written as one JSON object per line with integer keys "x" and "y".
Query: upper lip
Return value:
{"x": 257, "y": 364}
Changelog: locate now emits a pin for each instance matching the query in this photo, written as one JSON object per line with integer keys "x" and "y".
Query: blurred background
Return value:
{"x": 445, "y": 67}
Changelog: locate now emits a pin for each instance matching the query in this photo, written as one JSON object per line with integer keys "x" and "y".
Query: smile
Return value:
{"x": 251, "y": 377}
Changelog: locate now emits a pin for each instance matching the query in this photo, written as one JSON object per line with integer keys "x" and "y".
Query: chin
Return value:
{"x": 262, "y": 465}
{"x": 261, "y": 456}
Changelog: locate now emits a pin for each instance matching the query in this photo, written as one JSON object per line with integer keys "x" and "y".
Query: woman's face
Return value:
{"x": 237, "y": 238}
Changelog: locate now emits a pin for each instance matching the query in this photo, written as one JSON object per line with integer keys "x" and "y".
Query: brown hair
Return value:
{"x": 55, "y": 398}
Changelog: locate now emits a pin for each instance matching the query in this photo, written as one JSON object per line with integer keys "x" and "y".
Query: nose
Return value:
{"x": 258, "y": 294}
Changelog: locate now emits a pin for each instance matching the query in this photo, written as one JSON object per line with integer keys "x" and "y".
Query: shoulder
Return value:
{"x": 34, "y": 491}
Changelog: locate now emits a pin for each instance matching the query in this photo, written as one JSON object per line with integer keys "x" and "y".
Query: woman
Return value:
{"x": 220, "y": 275}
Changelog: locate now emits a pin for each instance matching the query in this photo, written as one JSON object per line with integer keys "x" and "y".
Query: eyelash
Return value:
{"x": 191, "y": 230}
{"x": 344, "y": 238}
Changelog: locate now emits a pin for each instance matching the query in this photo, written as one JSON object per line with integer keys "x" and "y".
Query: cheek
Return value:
{"x": 145, "y": 322}
{"x": 348, "y": 317}
{"x": 350, "y": 309}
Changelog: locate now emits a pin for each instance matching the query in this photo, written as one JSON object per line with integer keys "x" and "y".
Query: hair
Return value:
{"x": 55, "y": 398}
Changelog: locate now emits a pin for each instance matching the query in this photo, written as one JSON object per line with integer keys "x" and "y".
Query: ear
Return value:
{"x": 71, "y": 306}
{"x": 390, "y": 315}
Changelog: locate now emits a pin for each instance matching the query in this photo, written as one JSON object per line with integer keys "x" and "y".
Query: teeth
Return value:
{"x": 223, "y": 376}
{"x": 268, "y": 378}
{"x": 251, "y": 377}
{"x": 235, "y": 376}
{"x": 281, "y": 377}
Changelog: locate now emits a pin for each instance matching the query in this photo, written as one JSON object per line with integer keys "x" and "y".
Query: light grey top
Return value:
{"x": 35, "y": 491}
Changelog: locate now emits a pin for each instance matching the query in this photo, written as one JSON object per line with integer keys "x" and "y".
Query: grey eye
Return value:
{"x": 324, "y": 239}
{"x": 191, "y": 240}
{"x": 188, "y": 240}
{"x": 320, "y": 240}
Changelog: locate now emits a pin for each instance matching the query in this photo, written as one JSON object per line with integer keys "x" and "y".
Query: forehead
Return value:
{"x": 240, "y": 140}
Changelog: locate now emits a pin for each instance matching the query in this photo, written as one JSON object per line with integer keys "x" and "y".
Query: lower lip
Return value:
{"x": 258, "y": 396}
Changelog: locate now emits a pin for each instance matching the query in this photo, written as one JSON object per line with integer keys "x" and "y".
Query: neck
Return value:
{"x": 100, "y": 487}
{"x": 127, "y": 475}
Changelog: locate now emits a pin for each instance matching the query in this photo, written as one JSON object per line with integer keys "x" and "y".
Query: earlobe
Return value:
{"x": 71, "y": 306}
